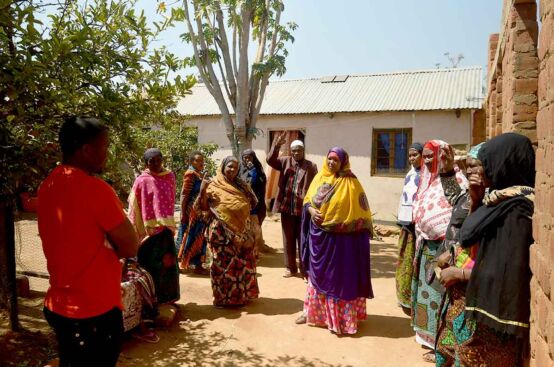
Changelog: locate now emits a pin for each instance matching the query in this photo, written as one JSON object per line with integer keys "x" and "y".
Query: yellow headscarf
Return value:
{"x": 340, "y": 198}
{"x": 231, "y": 202}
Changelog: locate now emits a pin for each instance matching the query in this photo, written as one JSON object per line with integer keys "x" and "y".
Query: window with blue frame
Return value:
{"x": 390, "y": 152}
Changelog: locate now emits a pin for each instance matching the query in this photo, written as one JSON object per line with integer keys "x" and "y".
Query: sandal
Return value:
{"x": 289, "y": 274}
{"x": 429, "y": 357}
{"x": 301, "y": 320}
{"x": 149, "y": 336}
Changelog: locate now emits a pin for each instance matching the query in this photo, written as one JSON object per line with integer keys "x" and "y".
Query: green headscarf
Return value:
{"x": 474, "y": 151}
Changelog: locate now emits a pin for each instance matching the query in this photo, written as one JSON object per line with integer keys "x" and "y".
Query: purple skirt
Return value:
{"x": 337, "y": 264}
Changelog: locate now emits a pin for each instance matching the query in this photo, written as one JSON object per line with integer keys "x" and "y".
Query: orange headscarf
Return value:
{"x": 231, "y": 201}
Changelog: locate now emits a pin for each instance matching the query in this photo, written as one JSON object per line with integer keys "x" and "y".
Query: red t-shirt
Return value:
{"x": 75, "y": 210}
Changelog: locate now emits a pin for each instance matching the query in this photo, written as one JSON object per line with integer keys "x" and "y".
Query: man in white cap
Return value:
{"x": 296, "y": 175}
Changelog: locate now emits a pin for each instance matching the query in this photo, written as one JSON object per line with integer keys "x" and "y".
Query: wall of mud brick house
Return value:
{"x": 521, "y": 99}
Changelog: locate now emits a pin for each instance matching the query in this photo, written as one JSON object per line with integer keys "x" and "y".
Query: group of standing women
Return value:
{"x": 224, "y": 213}
{"x": 463, "y": 267}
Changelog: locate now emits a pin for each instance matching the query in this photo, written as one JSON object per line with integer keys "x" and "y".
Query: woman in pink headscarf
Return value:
{"x": 432, "y": 212}
{"x": 151, "y": 205}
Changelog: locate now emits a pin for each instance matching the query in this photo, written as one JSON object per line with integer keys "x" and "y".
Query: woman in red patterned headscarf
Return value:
{"x": 432, "y": 213}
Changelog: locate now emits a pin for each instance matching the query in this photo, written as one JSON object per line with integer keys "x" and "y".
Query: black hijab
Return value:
{"x": 259, "y": 168}
{"x": 498, "y": 292}
{"x": 508, "y": 160}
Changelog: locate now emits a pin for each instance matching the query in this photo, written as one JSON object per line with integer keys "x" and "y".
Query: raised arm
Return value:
{"x": 273, "y": 156}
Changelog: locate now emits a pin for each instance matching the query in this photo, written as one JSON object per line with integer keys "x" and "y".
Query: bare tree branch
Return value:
{"x": 194, "y": 42}
{"x": 254, "y": 78}
{"x": 235, "y": 68}
{"x": 210, "y": 80}
{"x": 243, "y": 93}
{"x": 227, "y": 31}
{"x": 206, "y": 54}
{"x": 224, "y": 45}
{"x": 255, "y": 112}
{"x": 211, "y": 24}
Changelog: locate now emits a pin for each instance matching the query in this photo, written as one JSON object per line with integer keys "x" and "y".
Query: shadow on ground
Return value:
{"x": 191, "y": 345}
{"x": 383, "y": 259}
{"x": 274, "y": 260}
{"x": 381, "y": 326}
{"x": 35, "y": 344}
{"x": 262, "y": 305}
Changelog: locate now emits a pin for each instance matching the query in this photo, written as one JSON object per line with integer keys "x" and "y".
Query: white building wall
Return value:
{"x": 353, "y": 132}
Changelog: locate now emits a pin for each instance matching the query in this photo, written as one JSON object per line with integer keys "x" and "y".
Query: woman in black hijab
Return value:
{"x": 252, "y": 172}
{"x": 498, "y": 292}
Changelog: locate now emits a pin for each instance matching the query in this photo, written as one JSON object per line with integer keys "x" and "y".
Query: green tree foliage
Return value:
{"x": 92, "y": 58}
{"x": 175, "y": 140}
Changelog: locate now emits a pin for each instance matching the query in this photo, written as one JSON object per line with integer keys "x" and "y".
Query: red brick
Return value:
{"x": 545, "y": 122}
{"x": 542, "y": 355}
{"x": 551, "y": 201}
{"x": 541, "y": 126}
{"x": 550, "y": 246}
{"x": 539, "y": 161}
{"x": 542, "y": 86}
{"x": 533, "y": 260}
{"x": 543, "y": 274}
{"x": 530, "y": 133}
{"x": 526, "y": 10}
{"x": 536, "y": 231}
{"x": 550, "y": 335}
{"x": 549, "y": 70}
{"x": 498, "y": 130}
{"x": 548, "y": 159}
{"x": 526, "y": 86}
{"x": 525, "y": 65}
{"x": 543, "y": 311}
{"x": 545, "y": 37}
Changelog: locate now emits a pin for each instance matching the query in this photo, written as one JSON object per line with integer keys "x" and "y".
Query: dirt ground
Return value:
{"x": 261, "y": 334}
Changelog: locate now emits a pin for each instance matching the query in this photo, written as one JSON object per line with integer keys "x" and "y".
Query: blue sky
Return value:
{"x": 372, "y": 36}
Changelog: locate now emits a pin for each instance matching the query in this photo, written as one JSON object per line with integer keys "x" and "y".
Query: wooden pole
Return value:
{"x": 8, "y": 286}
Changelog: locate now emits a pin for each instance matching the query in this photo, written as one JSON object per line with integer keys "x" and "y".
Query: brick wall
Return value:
{"x": 478, "y": 131}
{"x": 542, "y": 252}
{"x": 512, "y": 102}
{"x": 521, "y": 99}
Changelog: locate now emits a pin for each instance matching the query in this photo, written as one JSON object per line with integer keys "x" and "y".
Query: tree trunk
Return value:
{"x": 8, "y": 287}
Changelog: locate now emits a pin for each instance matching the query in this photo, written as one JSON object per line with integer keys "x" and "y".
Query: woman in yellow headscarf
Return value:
{"x": 336, "y": 228}
{"x": 228, "y": 200}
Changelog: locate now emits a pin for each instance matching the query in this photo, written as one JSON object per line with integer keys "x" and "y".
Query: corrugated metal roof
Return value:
{"x": 437, "y": 89}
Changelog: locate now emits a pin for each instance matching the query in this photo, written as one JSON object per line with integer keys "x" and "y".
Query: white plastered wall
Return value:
{"x": 353, "y": 132}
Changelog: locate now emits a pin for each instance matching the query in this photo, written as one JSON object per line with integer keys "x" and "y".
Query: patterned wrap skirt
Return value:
{"x": 465, "y": 343}
{"x": 405, "y": 267}
{"x": 338, "y": 315}
{"x": 233, "y": 269}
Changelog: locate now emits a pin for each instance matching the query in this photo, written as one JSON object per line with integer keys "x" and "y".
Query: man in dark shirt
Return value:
{"x": 296, "y": 175}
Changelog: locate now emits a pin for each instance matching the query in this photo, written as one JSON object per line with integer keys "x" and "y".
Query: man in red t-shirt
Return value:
{"x": 84, "y": 232}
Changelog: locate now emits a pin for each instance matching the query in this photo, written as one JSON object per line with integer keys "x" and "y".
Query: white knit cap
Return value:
{"x": 297, "y": 143}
